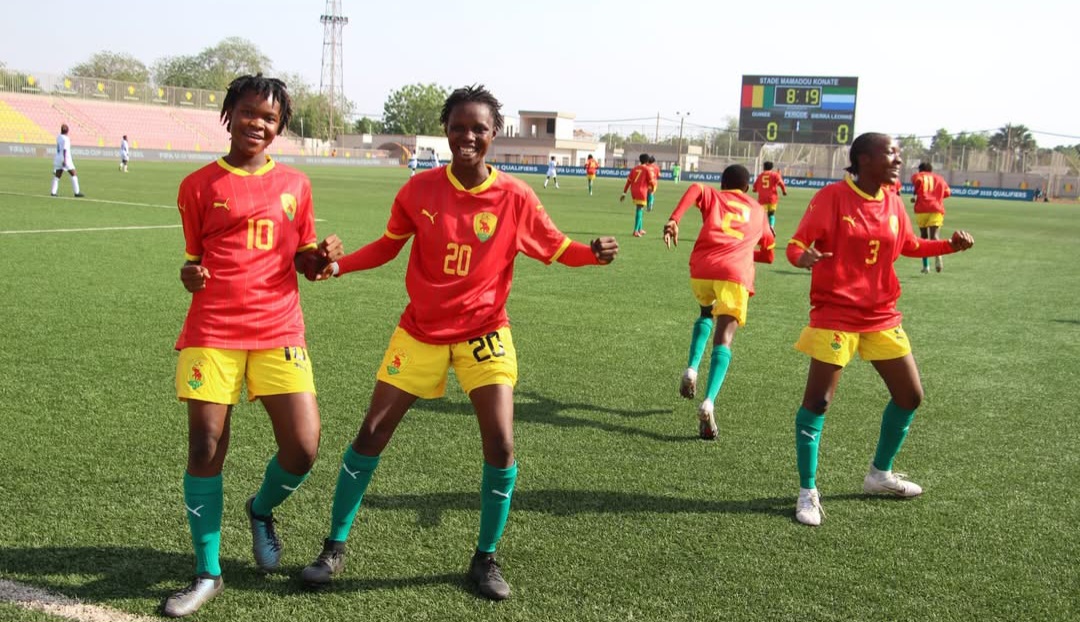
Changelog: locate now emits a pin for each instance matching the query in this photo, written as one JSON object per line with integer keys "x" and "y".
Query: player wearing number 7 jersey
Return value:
{"x": 734, "y": 234}
{"x": 468, "y": 222}
{"x": 850, "y": 236}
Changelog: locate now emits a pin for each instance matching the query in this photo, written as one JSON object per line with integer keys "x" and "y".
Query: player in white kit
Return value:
{"x": 62, "y": 162}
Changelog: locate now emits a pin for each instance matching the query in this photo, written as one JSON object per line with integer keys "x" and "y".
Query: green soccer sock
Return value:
{"x": 353, "y": 480}
{"x": 807, "y": 437}
{"x": 590, "y": 186}
{"x": 699, "y": 338}
{"x": 639, "y": 218}
{"x": 203, "y": 501}
{"x": 718, "y": 366}
{"x": 496, "y": 488}
{"x": 276, "y": 487}
{"x": 649, "y": 201}
{"x": 895, "y": 422}
{"x": 772, "y": 219}
{"x": 926, "y": 263}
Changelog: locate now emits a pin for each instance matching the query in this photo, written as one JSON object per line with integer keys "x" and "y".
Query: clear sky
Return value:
{"x": 957, "y": 64}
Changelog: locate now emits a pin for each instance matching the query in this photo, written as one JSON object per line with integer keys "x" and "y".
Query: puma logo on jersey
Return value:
{"x": 430, "y": 216}
{"x": 849, "y": 220}
{"x": 223, "y": 204}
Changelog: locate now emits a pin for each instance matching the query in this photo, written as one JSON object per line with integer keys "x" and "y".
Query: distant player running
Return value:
{"x": 591, "y": 166}
{"x": 930, "y": 194}
{"x": 766, "y": 186}
{"x": 640, "y": 182}
{"x": 552, "y": 173}
{"x": 734, "y": 234}
{"x": 850, "y": 236}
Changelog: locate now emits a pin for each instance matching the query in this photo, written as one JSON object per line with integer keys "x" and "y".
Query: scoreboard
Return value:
{"x": 798, "y": 109}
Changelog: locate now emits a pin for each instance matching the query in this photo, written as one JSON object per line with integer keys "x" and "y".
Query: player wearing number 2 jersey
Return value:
{"x": 468, "y": 222}
{"x": 849, "y": 237}
{"x": 734, "y": 234}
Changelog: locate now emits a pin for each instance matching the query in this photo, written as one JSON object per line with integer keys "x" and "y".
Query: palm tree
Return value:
{"x": 1010, "y": 141}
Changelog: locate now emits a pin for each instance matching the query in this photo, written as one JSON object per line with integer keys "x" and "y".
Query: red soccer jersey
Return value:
{"x": 640, "y": 181}
{"x": 655, "y": 168}
{"x": 462, "y": 259}
{"x": 856, "y": 289}
{"x": 767, "y": 186}
{"x": 245, "y": 228}
{"x": 733, "y": 226}
{"x": 591, "y": 166}
{"x": 930, "y": 192}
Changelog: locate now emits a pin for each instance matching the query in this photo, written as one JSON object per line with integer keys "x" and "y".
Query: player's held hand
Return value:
{"x": 605, "y": 249}
{"x": 671, "y": 234}
{"x": 331, "y": 248}
{"x": 194, "y": 277}
{"x": 961, "y": 240}
{"x": 810, "y": 257}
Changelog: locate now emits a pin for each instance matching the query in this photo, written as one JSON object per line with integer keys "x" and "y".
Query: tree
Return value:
{"x": 1011, "y": 141}
{"x": 415, "y": 109}
{"x": 613, "y": 139}
{"x": 213, "y": 68}
{"x": 638, "y": 138}
{"x": 911, "y": 148}
{"x": 941, "y": 145}
{"x": 364, "y": 125}
{"x": 112, "y": 66}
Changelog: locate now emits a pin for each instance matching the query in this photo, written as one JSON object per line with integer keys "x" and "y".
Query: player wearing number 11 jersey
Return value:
{"x": 734, "y": 234}
{"x": 468, "y": 222}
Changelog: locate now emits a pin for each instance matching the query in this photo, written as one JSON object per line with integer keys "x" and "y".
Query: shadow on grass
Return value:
{"x": 134, "y": 572}
{"x": 430, "y": 507}
{"x": 1073, "y": 322}
{"x": 532, "y": 407}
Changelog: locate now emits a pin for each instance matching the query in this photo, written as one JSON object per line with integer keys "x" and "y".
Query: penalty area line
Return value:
{"x": 86, "y": 200}
{"x": 37, "y": 599}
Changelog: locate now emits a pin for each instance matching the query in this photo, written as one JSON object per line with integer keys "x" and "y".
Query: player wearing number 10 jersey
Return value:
{"x": 850, "y": 236}
{"x": 468, "y": 222}
{"x": 734, "y": 234}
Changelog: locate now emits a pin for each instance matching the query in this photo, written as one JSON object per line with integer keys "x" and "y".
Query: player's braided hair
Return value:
{"x": 473, "y": 93}
{"x": 862, "y": 145}
{"x": 267, "y": 87}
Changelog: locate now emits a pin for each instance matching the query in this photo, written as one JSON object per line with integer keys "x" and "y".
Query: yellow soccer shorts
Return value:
{"x": 929, "y": 219}
{"x": 725, "y": 297}
{"x": 839, "y": 347}
{"x": 590, "y": 177}
{"x": 421, "y": 368}
{"x": 769, "y": 207}
{"x": 216, "y": 375}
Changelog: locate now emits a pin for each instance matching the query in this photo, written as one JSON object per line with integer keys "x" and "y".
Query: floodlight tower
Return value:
{"x": 331, "y": 84}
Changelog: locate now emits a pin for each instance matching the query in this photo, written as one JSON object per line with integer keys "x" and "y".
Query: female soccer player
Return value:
{"x": 849, "y": 238}
{"x": 469, "y": 222}
{"x": 248, "y": 227}
{"x": 931, "y": 190}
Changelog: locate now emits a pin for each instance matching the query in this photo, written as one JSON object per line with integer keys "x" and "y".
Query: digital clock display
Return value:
{"x": 798, "y": 109}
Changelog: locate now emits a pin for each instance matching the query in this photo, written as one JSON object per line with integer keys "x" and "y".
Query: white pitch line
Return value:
{"x": 86, "y": 200}
{"x": 12, "y": 232}
{"x": 37, "y": 599}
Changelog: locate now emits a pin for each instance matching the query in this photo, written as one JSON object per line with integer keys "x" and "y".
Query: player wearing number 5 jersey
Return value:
{"x": 468, "y": 222}
{"x": 734, "y": 234}
{"x": 850, "y": 236}
{"x": 767, "y": 185}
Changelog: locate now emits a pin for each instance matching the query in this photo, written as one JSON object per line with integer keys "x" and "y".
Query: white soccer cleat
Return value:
{"x": 889, "y": 483}
{"x": 688, "y": 383}
{"x": 707, "y": 429}
{"x": 808, "y": 510}
{"x": 938, "y": 264}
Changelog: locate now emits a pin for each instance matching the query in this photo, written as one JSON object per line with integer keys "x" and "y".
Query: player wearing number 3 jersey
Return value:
{"x": 468, "y": 222}
{"x": 850, "y": 236}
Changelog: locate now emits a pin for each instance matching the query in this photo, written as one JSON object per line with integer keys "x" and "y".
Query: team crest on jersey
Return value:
{"x": 894, "y": 224}
{"x": 288, "y": 204}
{"x": 484, "y": 225}
{"x": 398, "y": 361}
{"x": 195, "y": 378}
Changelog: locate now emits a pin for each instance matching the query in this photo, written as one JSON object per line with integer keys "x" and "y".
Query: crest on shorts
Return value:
{"x": 484, "y": 225}
{"x": 195, "y": 378}
{"x": 288, "y": 203}
{"x": 894, "y": 224}
{"x": 836, "y": 341}
{"x": 398, "y": 361}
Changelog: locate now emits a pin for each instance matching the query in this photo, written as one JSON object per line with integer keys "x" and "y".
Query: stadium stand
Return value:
{"x": 36, "y": 119}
